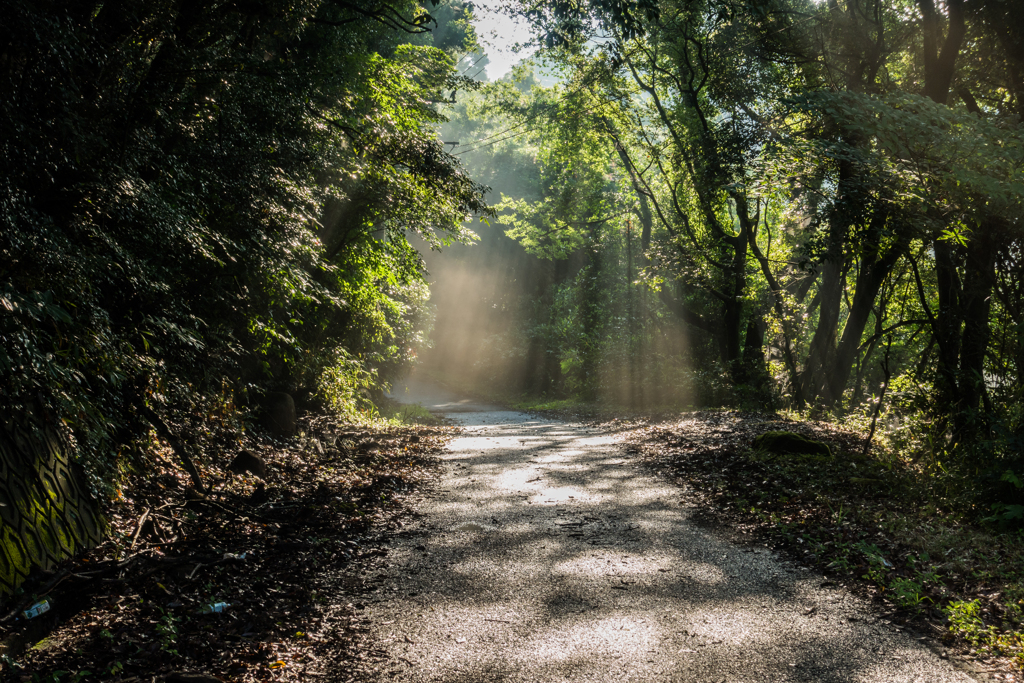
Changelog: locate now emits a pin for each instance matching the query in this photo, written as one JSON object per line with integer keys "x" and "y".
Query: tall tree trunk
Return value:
{"x": 754, "y": 364}
{"x": 939, "y": 68}
{"x": 874, "y": 270}
{"x": 590, "y": 320}
{"x": 733, "y": 305}
{"x": 940, "y": 62}
{"x": 979, "y": 278}
{"x": 947, "y": 322}
{"x": 799, "y": 290}
{"x": 821, "y": 355}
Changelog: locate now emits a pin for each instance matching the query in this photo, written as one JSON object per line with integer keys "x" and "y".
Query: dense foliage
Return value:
{"x": 825, "y": 196}
{"x": 204, "y": 200}
{"x": 781, "y": 202}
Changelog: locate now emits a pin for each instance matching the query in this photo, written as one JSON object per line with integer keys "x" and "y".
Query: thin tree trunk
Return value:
{"x": 869, "y": 283}
{"x": 175, "y": 443}
{"x": 778, "y": 303}
{"x": 821, "y": 355}
{"x": 881, "y": 397}
{"x": 947, "y": 322}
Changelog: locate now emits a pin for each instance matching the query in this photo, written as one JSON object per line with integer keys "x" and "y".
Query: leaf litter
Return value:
{"x": 862, "y": 520}
{"x": 261, "y": 579}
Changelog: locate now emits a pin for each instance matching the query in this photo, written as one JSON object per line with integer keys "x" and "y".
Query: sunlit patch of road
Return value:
{"x": 546, "y": 556}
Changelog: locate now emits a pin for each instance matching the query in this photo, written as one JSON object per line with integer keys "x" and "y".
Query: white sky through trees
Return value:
{"x": 499, "y": 33}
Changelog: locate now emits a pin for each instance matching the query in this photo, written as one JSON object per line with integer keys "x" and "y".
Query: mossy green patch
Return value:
{"x": 547, "y": 404}
{"x": 46, "y": 513}
{"x": 44, "y": 644}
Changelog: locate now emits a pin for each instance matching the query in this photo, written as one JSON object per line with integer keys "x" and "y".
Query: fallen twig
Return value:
{"x": 138, "y": 528}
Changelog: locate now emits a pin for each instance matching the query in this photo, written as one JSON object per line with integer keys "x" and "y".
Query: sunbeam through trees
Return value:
{"x": 242, "y": 224}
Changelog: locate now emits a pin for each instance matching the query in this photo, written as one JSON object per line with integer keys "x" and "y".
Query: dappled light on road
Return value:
{"x": 547, "y": 556}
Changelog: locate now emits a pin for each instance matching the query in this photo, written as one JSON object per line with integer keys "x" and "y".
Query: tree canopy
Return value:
{"x": 779, "y": 203}
{"x": 203, "y": 200}
{"x": 822, "y": 200}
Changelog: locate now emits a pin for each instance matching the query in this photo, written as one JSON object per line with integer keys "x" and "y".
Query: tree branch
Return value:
{"x": 167, "y": 435}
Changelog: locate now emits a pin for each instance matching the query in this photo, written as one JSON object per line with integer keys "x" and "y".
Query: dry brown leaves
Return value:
{"x": 248, "y": 583}
{"x": 824, "y": 512}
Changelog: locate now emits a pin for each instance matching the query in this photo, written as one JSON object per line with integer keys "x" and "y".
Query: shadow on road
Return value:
{"x": 549, "y": 557}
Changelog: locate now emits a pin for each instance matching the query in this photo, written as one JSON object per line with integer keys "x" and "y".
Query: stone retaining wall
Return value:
{"x": 46, "y": 512}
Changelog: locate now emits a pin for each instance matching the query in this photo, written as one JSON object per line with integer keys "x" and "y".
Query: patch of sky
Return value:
{"x": 505, "y": 39}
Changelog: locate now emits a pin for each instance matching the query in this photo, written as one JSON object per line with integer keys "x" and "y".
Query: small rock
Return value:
{"x": 279, "y": 417}
{"x": 247, "y": 462}
{"x": 259, "y": 495}
{"x": 783, "y": 443}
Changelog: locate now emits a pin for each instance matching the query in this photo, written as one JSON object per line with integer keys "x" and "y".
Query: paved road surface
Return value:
{"x": 548, "y": 556}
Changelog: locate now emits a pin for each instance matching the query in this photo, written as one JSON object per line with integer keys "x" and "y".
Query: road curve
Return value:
{"x": 546, "y": 555}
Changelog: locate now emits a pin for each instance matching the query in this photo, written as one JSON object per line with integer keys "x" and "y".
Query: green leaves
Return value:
{"x": 230, "y": 205}
{"x": 945, "y": 160}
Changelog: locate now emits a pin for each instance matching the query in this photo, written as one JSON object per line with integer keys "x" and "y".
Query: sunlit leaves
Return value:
{"x": 949, "y": 162}
{"x": 166, "y": 182}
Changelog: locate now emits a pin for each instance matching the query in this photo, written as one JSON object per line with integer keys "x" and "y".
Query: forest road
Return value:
{"x": 546, "y": 555}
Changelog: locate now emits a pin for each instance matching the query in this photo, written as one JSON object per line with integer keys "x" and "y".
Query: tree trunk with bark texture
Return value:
{"x": 875, "y": 268}
{"x": 821, "y": 356}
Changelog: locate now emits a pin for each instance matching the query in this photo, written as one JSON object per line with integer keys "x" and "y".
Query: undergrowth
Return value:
{"x": 270, "y": 550}
{"x": 876, "y": 521}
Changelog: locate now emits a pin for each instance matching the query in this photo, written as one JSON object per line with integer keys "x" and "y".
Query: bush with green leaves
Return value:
{"x": 195, "y": 193}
